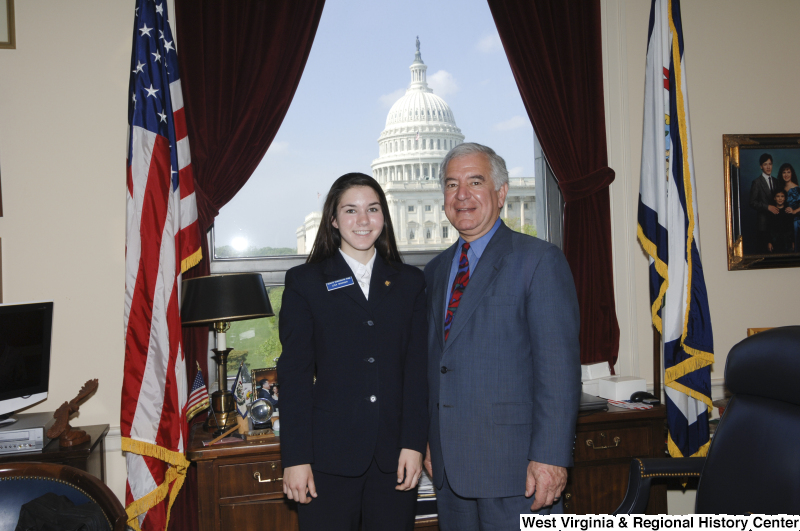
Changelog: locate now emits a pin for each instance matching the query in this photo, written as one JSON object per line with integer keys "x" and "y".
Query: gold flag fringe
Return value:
{"x": 191, "y": 260}
{"x": 175, "y": 476}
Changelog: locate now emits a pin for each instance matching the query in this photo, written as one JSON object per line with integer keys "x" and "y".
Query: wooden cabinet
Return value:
{"x": 605, "y": 443}
{"x": 240, "y": 484}
{"x": 89, "y": 456}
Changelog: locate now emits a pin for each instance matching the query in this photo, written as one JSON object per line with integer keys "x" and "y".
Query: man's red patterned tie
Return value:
{"x": 460, "y": 282}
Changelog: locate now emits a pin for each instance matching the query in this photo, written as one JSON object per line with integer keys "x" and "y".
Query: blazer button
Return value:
{"x": 370, "y": 360}
{"x": 373, "y": 398}
{"x": 444, "y": 370}
{"x": 370, "y": 323}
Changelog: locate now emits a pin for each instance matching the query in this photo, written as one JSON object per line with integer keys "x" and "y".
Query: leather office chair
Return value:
{"x": 753, "y": 463}
{"x": 25, "y": 481}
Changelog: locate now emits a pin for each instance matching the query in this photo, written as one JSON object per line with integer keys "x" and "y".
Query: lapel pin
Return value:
{"x": 387, "y": 283}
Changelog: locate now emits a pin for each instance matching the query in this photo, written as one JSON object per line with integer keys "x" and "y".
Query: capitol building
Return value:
{"x": 420, "y": 130}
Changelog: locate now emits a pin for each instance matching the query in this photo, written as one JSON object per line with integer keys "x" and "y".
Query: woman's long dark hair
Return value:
{"x": 329, "y": 239}
{"x": 780, "y": 173}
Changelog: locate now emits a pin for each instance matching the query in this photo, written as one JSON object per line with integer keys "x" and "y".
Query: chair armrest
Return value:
{"x": 644, "y": 470}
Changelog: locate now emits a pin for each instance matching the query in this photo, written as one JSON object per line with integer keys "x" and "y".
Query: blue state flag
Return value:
{"x": 668, "y": 231}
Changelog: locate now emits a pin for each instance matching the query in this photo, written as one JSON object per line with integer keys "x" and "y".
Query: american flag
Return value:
{"x": 162, "y": 241}
{"x": 198, "y": 396}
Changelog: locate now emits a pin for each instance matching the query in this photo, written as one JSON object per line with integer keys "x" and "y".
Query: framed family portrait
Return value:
{"x": 7, "y": 37}
{"x": 265, "y": 384}
{"x": 762, "y": 200}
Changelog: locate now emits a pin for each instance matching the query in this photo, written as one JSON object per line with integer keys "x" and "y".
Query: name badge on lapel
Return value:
{"x": 341, "y": 283}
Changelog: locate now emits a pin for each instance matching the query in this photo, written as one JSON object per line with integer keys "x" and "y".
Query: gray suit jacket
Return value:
{"x": 505, "y": 388}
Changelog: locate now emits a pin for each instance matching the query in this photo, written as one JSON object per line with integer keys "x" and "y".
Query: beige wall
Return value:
{"x": 742, "y": 78}
{"x": 63, "y": 108}
{"x": 741, "y": 65}
{"x": 63, "y": 115}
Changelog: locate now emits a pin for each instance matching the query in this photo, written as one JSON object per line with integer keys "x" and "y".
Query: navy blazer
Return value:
{"x": 369, "y": 357}
{"x": 505, "y": 387}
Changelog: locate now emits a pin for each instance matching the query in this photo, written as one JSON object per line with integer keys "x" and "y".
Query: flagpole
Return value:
{"x": 656, "y": 363}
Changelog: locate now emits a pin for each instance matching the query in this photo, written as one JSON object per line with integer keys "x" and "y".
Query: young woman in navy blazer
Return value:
{"x": 352, "y": 439}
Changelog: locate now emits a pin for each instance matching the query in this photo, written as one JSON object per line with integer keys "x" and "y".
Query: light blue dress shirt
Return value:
{"x": 474, "y": 253}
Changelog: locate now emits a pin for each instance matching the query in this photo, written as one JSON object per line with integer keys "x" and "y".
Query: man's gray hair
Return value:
{"x": 499, "y": 172}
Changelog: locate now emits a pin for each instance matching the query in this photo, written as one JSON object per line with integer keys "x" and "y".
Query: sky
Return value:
{"x": 358, "y": 67}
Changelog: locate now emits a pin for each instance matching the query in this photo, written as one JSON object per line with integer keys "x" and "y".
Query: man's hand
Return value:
{"x": 298, "y": 483}
{"x": 409, "y": 469}
{"x": 773, "y": 209}
{"x": 546, "y": 482}
{"x": 427, "y": 461}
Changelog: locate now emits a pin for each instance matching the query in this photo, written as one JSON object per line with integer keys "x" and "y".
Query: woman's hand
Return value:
{"x": 298, "y": 483}
{"x": 409, "y": 469}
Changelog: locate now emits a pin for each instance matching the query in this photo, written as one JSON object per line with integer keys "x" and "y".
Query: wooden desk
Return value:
{"x": 89, "y": 456}
{"x": 599, "y": 479}
{"x": 230, "y": 496}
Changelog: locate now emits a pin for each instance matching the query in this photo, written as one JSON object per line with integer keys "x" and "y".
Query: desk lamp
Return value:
{"x": 218, "y": 300}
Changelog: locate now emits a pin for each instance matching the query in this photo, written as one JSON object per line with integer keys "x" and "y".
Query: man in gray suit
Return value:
{"x": 503, "y": 317}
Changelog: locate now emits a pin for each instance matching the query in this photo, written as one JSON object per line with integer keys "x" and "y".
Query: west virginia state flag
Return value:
{"x": 668, "y": 231}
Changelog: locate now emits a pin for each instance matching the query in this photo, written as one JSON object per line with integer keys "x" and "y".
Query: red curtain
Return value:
{"x": 554, "y": 48}
{"x": 240, "y": 62}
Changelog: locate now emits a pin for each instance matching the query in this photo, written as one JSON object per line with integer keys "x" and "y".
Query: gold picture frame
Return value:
{"x": 747, "y": 243}
{"x": 8, "y": 38}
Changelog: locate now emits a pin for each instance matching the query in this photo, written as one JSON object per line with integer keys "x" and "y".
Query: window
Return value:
{"x": 332, "y": 126}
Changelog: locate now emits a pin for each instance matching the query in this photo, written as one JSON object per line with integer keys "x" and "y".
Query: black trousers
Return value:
{"x": 370, "y": 499}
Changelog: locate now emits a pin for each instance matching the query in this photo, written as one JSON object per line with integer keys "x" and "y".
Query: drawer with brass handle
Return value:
{"x": 612, "y": 444}
{"x": 247, "y": 479}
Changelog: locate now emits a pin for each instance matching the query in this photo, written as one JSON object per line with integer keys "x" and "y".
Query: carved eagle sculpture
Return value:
{"x": 67, "y": 436}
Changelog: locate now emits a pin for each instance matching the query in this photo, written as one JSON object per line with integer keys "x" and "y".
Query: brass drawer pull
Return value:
{"x": 257, "y": 475}
{"x": 589, "y": 442}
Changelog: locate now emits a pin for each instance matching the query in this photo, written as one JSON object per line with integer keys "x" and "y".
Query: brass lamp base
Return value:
{"x": 224, "y": 412}
{"x": 222, "y": 401}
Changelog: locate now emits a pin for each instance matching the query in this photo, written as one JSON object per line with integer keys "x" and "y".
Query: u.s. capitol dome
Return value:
{"x": 420, "y": 129}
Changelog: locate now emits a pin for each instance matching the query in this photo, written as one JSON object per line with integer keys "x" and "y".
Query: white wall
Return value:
{"x": 63, "y": 109}
{"x": 742, "y": 71}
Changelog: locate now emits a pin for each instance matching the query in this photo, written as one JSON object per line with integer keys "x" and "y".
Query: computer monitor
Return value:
{"x": 25, "y": 335}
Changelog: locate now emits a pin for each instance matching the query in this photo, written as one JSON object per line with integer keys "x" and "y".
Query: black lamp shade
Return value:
{"x": 215, "y": 298}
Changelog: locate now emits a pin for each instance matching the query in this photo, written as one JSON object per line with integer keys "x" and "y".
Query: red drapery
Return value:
{"x": 241, "y": 62}
{"x": 554, "y": 48}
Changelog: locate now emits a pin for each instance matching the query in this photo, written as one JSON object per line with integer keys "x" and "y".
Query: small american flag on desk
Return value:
{"x": 198, "y": 396}
{"x": 162, "y": 241}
